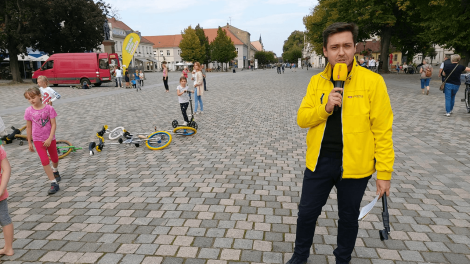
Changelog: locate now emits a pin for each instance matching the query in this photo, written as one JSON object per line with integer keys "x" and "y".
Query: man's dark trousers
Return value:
{"x": 315, "y": 191}
{"x": 204, "y": 80}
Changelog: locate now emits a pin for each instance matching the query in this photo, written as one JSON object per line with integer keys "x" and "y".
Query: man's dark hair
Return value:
{"x": 339, "y": 27}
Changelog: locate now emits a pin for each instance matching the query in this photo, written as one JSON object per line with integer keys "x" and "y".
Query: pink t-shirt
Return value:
{"x": 3, "y": 156}
{"x": 165, "y": 72}
{"x": 41, "y": 120}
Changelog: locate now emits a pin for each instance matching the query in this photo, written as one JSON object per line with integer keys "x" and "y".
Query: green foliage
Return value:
{"x": 292, "y": 55}
{"x": 50, "y": 26}
{"x": 204, "y": 40}
{"x": 223, "y": 49}
{"x": 295, "y": 39}
{"x": 391, "y": 20}
{"x": 447, "y": 23}
{"x": 191, "y": 49}
{"x": 265, "y": 57}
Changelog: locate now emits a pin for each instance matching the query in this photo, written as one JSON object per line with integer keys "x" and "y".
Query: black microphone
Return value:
{"x": 340, "y": 73}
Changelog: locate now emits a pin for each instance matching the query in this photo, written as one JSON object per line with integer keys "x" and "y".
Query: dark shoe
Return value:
{"x": 295, "y": 260}
{"x": 57, "y": 176}
{"x": 54, "y": 188}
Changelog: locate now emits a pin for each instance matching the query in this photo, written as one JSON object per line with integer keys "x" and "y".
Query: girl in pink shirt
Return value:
{"x": 41, "y": 126}
{"x": 165, "y": 76}
{"x": 5, "y": 220}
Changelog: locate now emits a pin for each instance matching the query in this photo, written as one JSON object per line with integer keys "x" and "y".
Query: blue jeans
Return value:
{"x": 450, "y": 91}
{"x": 425, "y": 82}
{"x": 316, "y": 188}
{"x": 196, "y": 99}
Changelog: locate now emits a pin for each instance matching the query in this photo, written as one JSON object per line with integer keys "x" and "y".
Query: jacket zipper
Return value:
{"x": 323, "y": 135}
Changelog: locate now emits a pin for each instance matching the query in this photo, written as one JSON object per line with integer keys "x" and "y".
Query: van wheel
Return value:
{"x": 55, "y": 85}
{"x": 97, "y": 84}
{"x": 82, "y": 81}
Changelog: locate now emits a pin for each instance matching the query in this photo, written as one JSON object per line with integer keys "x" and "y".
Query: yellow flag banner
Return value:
{"x": 129, "y": 47}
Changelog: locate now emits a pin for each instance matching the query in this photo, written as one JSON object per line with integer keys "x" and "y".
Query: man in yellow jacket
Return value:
{"x": 344, "y": 146}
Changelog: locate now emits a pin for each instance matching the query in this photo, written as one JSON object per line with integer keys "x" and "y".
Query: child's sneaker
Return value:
{"x": 54, "y": 188}
{"x": 57, "y": 176}
{"x": 185, "y": 123}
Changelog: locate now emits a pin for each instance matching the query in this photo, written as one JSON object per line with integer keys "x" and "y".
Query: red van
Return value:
{"x": 75, "y": 68}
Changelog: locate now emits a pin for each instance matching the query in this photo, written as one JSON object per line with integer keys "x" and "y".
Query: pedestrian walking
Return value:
{"x": 141, "y": 77}
{"x": 183, "y": 98}
{"x": 41, "y": 127}
{"x": 48, "y": 94}
{"x": 282, "y": 66}
{"x": 127, "y": 79}
{"x": 441, "y": 68}
{"x": 278, "y": 67}
{"x": 372, "y": 64}
{"x": 165, "y": 76}
{"x": 198, "y": 88}
{"x": 426, "y": 74}
{"x": 452, "y": 72}
{"x": 204, "y": 76}
{"x": 344, "y": 146}
{"x": 118, "y": 73}
{"x": 185, "y": 72}
{"x": 5, "y": 220}
{"x": 137, "y": 81}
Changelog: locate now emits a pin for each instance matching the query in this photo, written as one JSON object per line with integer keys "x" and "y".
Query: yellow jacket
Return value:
{"x": 366, "y": 118}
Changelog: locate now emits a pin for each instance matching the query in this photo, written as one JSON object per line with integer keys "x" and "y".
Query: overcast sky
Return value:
{"x": 274, "y": 20}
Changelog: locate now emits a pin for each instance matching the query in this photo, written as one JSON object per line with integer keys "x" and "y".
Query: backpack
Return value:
{"x": 428, "y": 72}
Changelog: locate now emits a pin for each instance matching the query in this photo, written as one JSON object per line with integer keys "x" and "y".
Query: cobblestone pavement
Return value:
{"x": 229, "y": 194}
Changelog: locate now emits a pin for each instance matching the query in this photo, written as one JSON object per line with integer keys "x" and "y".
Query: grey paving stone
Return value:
{"x": 110, "y": 258}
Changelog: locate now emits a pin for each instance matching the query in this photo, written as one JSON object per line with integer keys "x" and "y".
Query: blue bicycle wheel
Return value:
{"x": 158, "y": 140}
{"x": 184, "y": 131}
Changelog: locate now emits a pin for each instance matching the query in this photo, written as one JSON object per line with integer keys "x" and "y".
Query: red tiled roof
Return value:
{"x": 257, "y": 45}
{"x": 169, "y": 41}
{"x": 121, "y": 25}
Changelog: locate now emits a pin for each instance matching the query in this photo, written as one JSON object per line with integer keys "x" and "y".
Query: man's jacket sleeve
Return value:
{"x": 381, "y": 120}
{"x": 312, "y": 111}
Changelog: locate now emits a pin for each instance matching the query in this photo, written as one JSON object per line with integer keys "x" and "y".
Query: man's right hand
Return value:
{"x": 335, "y": 98}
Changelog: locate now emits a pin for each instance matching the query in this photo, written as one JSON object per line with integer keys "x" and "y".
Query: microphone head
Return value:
{"x": 340, "y": 72}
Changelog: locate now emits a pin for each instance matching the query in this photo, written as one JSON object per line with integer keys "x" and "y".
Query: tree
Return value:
{"x": 204, "y": 40}
{"x": 223, "y": 49}
{"x": 295, "y": 39}
{"x": 191, "y": 49}
{"x": 447, "y": 23}
{"x": 69, "y": 26}
{"x": 391, "y": 20}
{"x": 431, "y": 53}
{"x": 292, "y": 55}
{"x": 261, "y": 57}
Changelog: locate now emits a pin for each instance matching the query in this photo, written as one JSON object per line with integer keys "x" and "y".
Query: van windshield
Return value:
{"x": 104, "y": 64}
{"x": 48, "y": 65}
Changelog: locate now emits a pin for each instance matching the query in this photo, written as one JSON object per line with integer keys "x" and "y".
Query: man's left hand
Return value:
{"x": 383, "y": 186}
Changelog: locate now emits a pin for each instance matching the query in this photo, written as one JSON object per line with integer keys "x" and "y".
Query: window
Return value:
{"x": 237, "y": 51}
{"x": 168, "y": 52}
{"x": 395, "y": 57}
{"x": 179, "y": 52}
{"x": 161, "y": 53}
{"x": 104, "y": 64}
{"x": 48, "y": 65}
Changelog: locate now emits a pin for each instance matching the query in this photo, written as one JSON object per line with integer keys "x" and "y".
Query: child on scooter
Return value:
{"x": 183, "y": 98}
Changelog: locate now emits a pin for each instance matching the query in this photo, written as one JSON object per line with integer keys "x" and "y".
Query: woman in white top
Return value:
{"x": 198, "y": 87}
{"x": 47, "y": 93}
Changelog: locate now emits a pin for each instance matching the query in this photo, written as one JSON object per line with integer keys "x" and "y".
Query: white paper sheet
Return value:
{"x": 366, "y": 209}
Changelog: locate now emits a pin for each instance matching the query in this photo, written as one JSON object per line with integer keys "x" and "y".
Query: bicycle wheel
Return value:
{"x": 116, "y": 133}
{"x": 467, "y": 98}
{"x": 63, "y": 148}
{"x": 184, "y": 131}
{"x": 158, "y": 140}
{"x": 194, "y": 125}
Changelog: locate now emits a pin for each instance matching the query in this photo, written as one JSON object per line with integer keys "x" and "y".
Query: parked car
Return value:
{"x": 78, "y": 68}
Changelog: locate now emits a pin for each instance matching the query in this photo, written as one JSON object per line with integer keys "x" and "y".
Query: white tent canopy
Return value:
{"x": 42, "y": 58}
{"x": 25, "y": 58}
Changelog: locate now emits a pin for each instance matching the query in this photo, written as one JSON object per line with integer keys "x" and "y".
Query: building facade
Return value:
{"x": 143, "y": 57}
{"x": 166, "y": 48}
